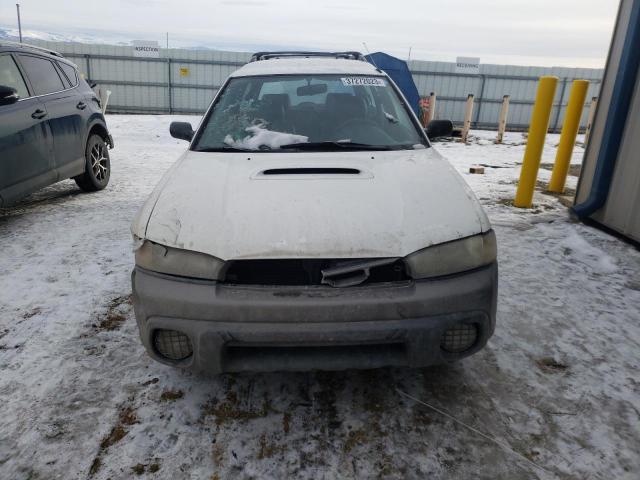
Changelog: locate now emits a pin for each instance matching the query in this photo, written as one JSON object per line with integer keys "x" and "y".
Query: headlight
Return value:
{"x": 175, "y": 261}
{"x": 453, "y": 257}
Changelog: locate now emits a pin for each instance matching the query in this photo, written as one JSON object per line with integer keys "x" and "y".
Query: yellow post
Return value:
{"x": 535, "y": 143}
{"x": 568, "y": 136}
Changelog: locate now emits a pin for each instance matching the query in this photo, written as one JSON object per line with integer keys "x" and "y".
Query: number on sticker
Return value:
{"x": 363, "y": 81}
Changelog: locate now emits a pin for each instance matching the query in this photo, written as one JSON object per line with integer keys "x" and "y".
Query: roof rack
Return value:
{"x": 5, "y": 43}
{"x": 268, "y": 55}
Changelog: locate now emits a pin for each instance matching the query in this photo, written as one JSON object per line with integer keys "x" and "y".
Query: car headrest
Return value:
{"x": 345, "y": 105}
{"x": 276, "y": 101}
{"x": 274, "y": 109}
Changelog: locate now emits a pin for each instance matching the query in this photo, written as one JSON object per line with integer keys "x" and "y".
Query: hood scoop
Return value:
{"x": 311, "y": 171}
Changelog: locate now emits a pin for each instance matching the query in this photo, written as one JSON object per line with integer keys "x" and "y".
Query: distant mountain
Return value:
{"x": 12, "y": 34}
{"x": 122, "y": 38}
{"x": 6, "y": 35}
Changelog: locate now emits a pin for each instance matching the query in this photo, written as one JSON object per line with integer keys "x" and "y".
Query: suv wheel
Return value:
{"x": 98, "y": 166}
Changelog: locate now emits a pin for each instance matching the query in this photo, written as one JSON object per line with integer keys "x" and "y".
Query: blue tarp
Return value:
{"x": 399, "y": 72}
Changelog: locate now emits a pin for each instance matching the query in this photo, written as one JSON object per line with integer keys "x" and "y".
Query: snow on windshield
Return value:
{"x": 390, "y": 117}
{"x": 259, "y": 136}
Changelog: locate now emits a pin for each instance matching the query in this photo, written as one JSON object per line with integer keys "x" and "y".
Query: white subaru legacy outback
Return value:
{"x": 311, "y": 225}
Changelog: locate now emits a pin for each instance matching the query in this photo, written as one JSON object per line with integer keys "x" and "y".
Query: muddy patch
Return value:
{"x": 32, "y": 313}
{"x": 543, "y": 186}
{"x": 574, "y": 170}
{"x": 117, "y": 311}
{"x": 171, "y": 395}
{"x": 355, "y": 438}
{"x": 535, "y": 209}
{"x": 268, "y": 448}
{"x": 286, "y": 422}
{"x": 126, "y": 418}
{"x": 324, "y": 399}
{"x": 141, "y": 468}
{"x": 550, "y": 365}
{"x": 151, "y": 381}
{"x": 231, "y": 409}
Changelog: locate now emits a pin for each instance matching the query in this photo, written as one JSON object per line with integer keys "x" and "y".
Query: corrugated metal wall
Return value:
{"x": 492, "y": 84}
{"x": 156, "y": 85}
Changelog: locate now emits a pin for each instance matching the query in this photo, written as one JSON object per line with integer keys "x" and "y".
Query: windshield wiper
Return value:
{"x": 334, "y": 146}
{"x": 224, "y": 149}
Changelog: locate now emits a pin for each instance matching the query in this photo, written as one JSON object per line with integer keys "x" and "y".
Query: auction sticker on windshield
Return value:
{"x": 363, "y": 81}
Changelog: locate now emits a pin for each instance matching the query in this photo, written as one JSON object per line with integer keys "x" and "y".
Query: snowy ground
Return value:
{"x": 558, "y": 383}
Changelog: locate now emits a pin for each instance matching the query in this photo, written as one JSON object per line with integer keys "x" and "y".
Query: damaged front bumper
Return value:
{"x": 269, "y": 328}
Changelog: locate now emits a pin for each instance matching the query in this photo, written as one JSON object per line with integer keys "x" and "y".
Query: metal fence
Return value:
{"x": 185, "y": 81}
{"x": 489, "y": 87}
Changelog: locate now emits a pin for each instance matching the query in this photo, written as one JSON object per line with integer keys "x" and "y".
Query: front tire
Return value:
{"x": 97, "y": 168}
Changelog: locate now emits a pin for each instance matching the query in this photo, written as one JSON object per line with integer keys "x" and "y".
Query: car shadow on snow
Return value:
{"x": 52, "y": 195}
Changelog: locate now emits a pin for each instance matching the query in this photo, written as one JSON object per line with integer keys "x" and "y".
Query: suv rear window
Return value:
{"x": 70, "y": 73}
{"x": 42, "y": 74}
{"x": 10, "y": 76}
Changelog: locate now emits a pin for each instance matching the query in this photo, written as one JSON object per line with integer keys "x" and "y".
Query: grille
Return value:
{"x": 172, "y": 344}
{"x": 459, "y": 338}
{"x": 296, "y": 272}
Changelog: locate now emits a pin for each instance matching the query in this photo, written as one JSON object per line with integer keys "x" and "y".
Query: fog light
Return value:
{"x": 459, "y": 338}
{"x": 172, "y": 344}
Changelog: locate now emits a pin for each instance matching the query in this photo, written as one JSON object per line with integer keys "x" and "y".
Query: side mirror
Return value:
{"x": 181, "y": 130}
{"x": 439, "y": 128}
{"x": 8, "y": 95}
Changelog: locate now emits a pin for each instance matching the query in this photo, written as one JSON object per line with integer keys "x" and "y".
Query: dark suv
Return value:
{"x": 51, "y": 124}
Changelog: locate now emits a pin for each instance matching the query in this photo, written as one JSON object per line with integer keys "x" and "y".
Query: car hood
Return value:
{"x": 230, "y": 206}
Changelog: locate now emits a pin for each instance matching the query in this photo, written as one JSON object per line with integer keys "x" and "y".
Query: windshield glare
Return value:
{"x": 266, "y": 113}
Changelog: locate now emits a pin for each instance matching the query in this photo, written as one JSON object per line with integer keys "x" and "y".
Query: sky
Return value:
{"x": 571, "y": 33}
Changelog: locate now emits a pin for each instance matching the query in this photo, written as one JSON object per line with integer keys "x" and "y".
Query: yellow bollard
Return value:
{"x": 535, "y": 142}
{"x": 568, "y": 136}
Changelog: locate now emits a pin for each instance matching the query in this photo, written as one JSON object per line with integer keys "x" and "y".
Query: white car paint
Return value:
{"x": 220, "y": 204}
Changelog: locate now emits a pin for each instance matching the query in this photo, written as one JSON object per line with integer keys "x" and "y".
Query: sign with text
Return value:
{"x": 143, "y": 48}
{"x": 468, "y": 65}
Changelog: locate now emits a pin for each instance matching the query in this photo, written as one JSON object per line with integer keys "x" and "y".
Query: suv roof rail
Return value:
{"x": 5, "y": 43}
{"x": 268, "y": 55}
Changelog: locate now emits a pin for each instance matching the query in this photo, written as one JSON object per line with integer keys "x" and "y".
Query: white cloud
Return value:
{"x": 545, "y": 32}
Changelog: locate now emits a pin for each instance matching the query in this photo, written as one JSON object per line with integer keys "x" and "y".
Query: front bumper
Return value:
{"x": 266, "y": 328}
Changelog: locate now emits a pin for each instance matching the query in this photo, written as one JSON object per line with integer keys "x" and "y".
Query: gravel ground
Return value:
{"x": 555, "y": 394}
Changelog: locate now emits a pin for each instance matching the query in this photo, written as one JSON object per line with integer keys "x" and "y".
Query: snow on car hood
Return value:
{"x": 224, "y": 204}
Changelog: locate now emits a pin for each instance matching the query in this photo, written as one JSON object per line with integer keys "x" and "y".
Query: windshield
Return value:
{"x": 286, "y": 111}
